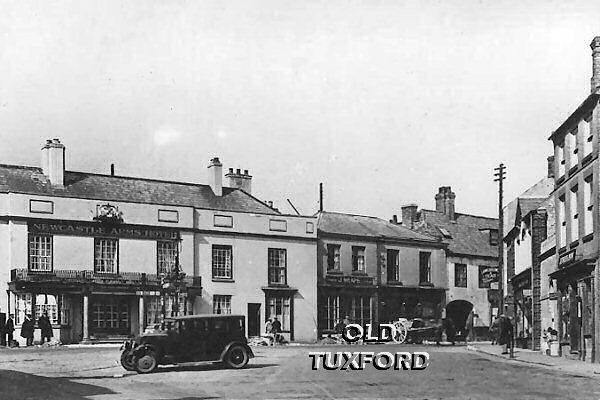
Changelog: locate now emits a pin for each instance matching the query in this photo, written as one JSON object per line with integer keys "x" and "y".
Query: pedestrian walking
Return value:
{"x": 276, "y": 328}
{"x": 10, "y": 328}
{"x": 494, "y": 330}
{"x": 27, "y": 329}
{"x": 506, "y": 333}
{"x": 469, "y": 326}
{"x": 45, "y": 327}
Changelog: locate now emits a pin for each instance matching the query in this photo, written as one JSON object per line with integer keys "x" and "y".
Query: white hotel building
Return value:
{"x": 90, "y": 249}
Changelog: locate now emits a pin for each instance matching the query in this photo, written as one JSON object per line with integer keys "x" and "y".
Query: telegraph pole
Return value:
{"x": 499, "y": 177}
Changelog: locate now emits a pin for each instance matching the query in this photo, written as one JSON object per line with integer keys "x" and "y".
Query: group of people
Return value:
{"x": 27, "y": 330}
{"x": 501, "y": 331}
{"x": 273, "y": 330}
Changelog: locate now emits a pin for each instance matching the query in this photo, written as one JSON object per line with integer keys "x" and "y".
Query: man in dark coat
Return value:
{"x": 276, "y": 328}
{"x": 27, "y": 329}
{"x": 506, "y": 333}
{"x": 10, "y": 328}
{"x": 45, "y": 327}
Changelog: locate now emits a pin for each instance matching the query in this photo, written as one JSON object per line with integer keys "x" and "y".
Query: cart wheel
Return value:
{"x": 401, "y": 332}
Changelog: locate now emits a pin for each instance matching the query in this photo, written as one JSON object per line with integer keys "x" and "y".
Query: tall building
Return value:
{"x": 471, "y": 257}
{"x": 525, "y": 230}
{"x": 375, "y": 271}
{"x": 577, "y": 276}
{"x": 100, "y": 253}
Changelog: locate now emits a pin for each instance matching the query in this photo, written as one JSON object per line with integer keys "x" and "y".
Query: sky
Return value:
{"x": 382, "y": 101}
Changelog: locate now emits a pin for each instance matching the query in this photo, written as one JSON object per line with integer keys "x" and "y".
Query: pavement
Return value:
{"x": 284, "y": 372}
{"x": 537, "y": 358}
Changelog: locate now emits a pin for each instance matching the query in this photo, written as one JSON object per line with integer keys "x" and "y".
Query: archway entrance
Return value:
{"x": 458, "y": 311}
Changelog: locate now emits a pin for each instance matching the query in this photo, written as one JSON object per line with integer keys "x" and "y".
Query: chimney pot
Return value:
{"x": 215, "y": 176}
{"x": 53, "y": 162}
{"x": 112, "y": 169}
{"x": 237, "y": 171}
{"x": 551, "y": 167}
{"x": 395, "y": 219}
{"x": 595, "y": 46}
{"x": 245, "y": 172}
{"x": 231, "y": 170}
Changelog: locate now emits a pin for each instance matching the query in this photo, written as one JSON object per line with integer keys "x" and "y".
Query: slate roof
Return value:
{"x": 365, "y": 226}
{"x": 469, "y": 233}
{"x": 83, "y": 185}
{"x": 528, "y": 205}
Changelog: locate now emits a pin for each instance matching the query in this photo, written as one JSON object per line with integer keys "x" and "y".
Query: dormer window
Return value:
{"x": 445, "y": 233}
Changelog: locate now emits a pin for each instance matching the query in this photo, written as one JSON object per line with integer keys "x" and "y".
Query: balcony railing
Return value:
{"x": 86, "y": 276}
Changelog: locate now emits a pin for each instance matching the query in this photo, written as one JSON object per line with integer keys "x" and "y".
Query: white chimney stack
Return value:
{"x": 215, "y": 176}
{"x": 53, "y": 162}
{"x": 240, "y": 180}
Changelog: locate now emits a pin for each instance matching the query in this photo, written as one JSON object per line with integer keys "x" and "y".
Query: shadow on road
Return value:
{"x": 206, "y": 367}
{"x": 20, "y": 385}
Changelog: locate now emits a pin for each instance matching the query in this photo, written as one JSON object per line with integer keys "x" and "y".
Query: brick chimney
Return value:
{"x": 551, "y": 167}
{"x": 215, "y": 176}
{"x": 53, "y": 162}
{"x": 444, "y": 202}
{"x": 409, "y": 215}
{"x": 240, "y": 180}
{"x": 595, "y": 81}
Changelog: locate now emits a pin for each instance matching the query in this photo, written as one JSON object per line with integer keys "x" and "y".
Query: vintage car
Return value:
{"x": 190, "y": 338}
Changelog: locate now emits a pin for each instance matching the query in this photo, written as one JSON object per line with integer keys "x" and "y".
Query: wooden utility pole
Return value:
{"x": 499, "y": 177}
{"x": 321, "y": 196}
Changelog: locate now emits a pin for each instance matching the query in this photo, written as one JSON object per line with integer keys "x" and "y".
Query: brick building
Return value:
{"x": 375, "y": 271}
{"x": 93, "y": 250}
{"x": 576, "y": 196}
{"x": 471, "y": 257}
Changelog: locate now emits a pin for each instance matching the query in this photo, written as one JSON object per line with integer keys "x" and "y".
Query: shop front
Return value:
{"x": 575, "y": 303}
{"x": 85, "y": 307}
{"x": 346, "y": 296}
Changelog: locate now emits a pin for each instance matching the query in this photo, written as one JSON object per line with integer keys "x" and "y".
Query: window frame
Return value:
{"x": 31, "y": 257}
{"x": 160, "y": 243}
{"x": 108, "y": 239}
{"x": 224, "y": 304}
{"x": 270, "y": 268}
{"x": 358, "y": 254}
{"x": 461, "y": 267}
{"x": 331, "y": 256}
{"x": 221, "y": 247}
{"x": 395, "y": 275}
{"x": 428, "y": 268}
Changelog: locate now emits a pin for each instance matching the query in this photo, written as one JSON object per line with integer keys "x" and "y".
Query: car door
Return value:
{"x": 218, "y": 338}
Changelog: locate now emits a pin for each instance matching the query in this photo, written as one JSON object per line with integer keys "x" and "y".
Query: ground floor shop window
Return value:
{"x": 361, "y": 310}
{"x": 23, "y": 306}
{"x": 110, "y": 314}
{"x": 279, "y": 306}
{"x": 46, "y": 304}
{"x": 153, "y": 310}
{"x": 333, "y": 311}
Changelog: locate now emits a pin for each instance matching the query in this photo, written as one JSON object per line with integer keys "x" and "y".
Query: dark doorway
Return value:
{"x": 458, "y": 311}
{"x": 253, "y": 319}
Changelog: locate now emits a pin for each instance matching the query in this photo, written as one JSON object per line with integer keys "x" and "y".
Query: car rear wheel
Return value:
{"x": 127, "y": 360}
{"x": 237, "y": 357}
{"x": 146, "y": 363}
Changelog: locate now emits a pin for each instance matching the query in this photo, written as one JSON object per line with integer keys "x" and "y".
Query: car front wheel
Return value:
{"x": 237, "y": 357}
{"x": 127, "y": 360}
{"x": 146, "y": 362}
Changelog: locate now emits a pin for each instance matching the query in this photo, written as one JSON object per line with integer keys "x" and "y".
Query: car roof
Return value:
{"x": 205, "y": 316}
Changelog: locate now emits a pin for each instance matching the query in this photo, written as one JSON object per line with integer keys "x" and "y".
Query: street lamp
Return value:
{"x": 172, "y": 281}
